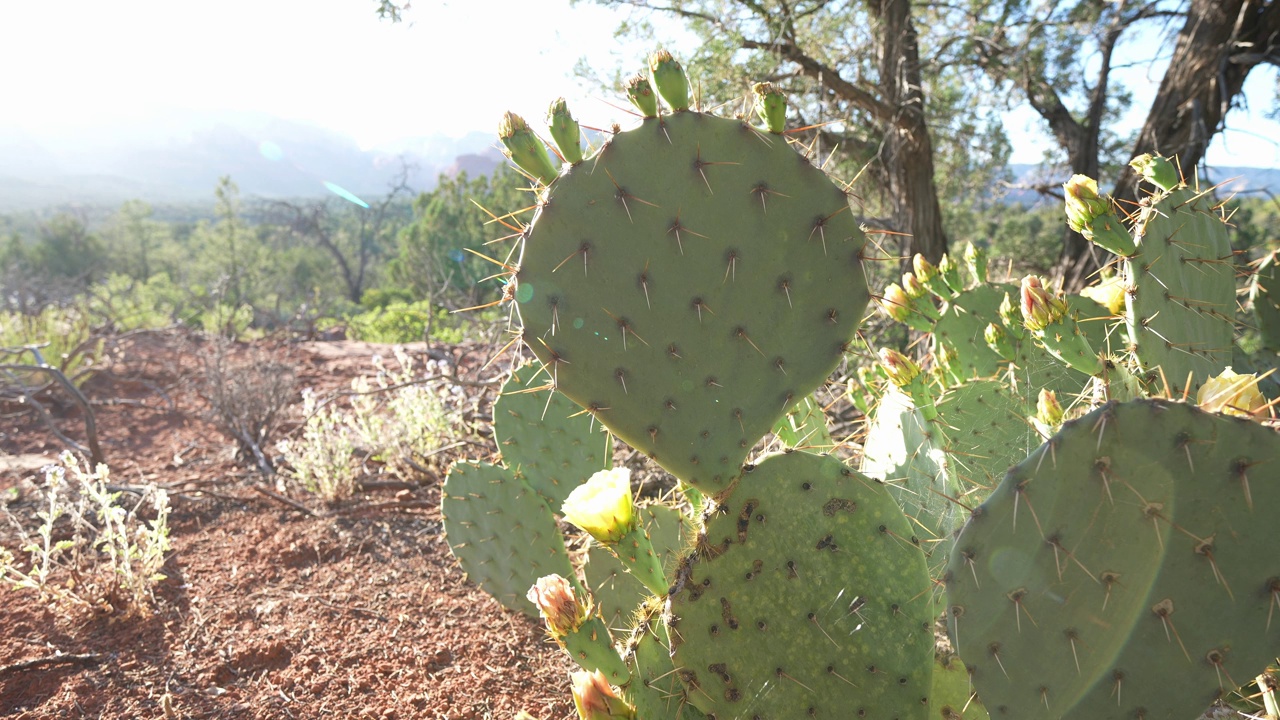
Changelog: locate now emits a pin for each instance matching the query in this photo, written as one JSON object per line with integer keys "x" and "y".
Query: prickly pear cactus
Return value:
{"x": 546, "y": 438}
{"x": 688, "y": 284}
{"x": 502, "y": 532}
{"x": 806, "y": 597}
{"x": 936, "y": 468}
{"x": 618, "y": 593}
{"x": 1264, "y": 297}
{"x": 1180, "y": 288}
{"x": 1134, "y": 548}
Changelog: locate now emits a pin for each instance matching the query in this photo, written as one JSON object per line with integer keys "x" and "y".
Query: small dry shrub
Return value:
{"x": 247, "y": 397}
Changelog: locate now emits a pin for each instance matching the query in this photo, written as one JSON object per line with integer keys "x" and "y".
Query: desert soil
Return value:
{"x": 268, "y": 611}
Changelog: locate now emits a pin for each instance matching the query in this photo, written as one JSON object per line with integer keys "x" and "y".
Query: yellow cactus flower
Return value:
{"x": 1231, "y": 393}
{"x": 1109, "y": 293}
{"x": 602, "y": 506}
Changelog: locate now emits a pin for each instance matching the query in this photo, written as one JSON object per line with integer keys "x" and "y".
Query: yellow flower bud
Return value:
{"x": 1040, "y": 307}
{"x": 602, "y": 506}
{"x": 1231, "y": 393}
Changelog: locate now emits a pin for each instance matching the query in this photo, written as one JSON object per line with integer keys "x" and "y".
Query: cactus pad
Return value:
{"x": 1127, "y": 569}
{"x": 688, "y": 284}
{"x": 805, "y": 597}
{"x": 546, "y": 438}
{"x": 501, "y": 532}
{"x": 1264, "y": 296}
{"x": 618, "y": 593}
{"x": 1180, "y": 288}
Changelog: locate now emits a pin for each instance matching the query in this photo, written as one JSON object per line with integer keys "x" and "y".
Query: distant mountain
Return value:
{"x": 1238, "y": 180}
{"x": 266, "y": 157}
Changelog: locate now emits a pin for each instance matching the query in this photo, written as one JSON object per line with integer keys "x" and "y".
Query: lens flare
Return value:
{"x": 345, "y": 194}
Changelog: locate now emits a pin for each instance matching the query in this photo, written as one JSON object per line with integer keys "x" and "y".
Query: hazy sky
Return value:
{"x": 111, "y": 65}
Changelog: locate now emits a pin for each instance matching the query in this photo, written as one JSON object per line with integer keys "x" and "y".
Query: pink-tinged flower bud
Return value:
{"x": 899, "y": 368}
{"x": 1156, "y": 170}
{"x": 559, "y": 604}
{"x": 596, "y": 700}
{"x": 925, "y": 270}
{"x": 602, "y": 506}
{"x": 1231, "y": 393}
{"x": 1048, "y": 410}
{"x": 1040, "y": 307}
{"x": 896, "y": 304}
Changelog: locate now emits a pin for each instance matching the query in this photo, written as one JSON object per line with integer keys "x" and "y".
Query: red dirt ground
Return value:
{"x": 267, "y": 612}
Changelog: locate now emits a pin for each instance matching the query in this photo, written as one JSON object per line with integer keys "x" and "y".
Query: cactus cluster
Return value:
{"x": 689, "y": 284}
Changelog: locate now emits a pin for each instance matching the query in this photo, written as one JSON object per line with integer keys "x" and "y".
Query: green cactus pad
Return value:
{"x": 1127, "y": 569}
{"x": 617, "y": 593}
{"x": 501, "y": 532}
{"x": 688, "y": 284}
{"x": 655, "y": 689}
{"x": 805, "y": 426}
{"x": 952, "y": 697}
{"x": 937, "y": 469}
{"x": 1264, "y": 296}
{"x": 805, "y": 597}
{"x": 546, "y": 438}
{"x": 1180, "y": 298}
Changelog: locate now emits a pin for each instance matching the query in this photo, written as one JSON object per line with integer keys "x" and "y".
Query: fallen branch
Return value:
{"x": 287, "y": 501}
{"x": 60, "y": 659}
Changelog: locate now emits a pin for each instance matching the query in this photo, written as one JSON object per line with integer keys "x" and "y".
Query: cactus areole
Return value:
{"x": 688, "y": 284}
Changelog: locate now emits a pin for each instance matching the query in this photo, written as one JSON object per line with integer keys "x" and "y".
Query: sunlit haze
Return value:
{"x": 121, "y": 69}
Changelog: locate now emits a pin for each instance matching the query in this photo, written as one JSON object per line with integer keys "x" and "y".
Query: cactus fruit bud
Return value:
{"x": 602, "y": 506}
{"x": 976, "y": 260}
{"x": 899, "y": 368}
{"x": 771, "y": 106}
{"x": 1040, "y": 307}
{"x": 669, "y": 78}
{"x": 1231, "y": 393}
{"x": 524, "y": 148}
{"x": 558, "y": 603}
{"x": 596, "y": 700}
{"x": 1156, "y": 170}
{"x": 640, "y": 92}
{"x": 1010, "y": 317}
{"x": 950, "y": 273}
{"x": 1048, "y": 410}
{"x": 565, "y": 131}
{"x": 1094, "y": 218}
{"x": 998, "y": 340}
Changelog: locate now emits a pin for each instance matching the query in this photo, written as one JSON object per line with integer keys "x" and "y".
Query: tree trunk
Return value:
{"x": 1220, "y": 43}
{"x": 908, "y": 148}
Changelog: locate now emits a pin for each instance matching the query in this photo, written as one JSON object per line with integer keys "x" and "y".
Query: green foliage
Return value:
{"x": 434, "y": 259}
{"x": 64, "y": 337}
